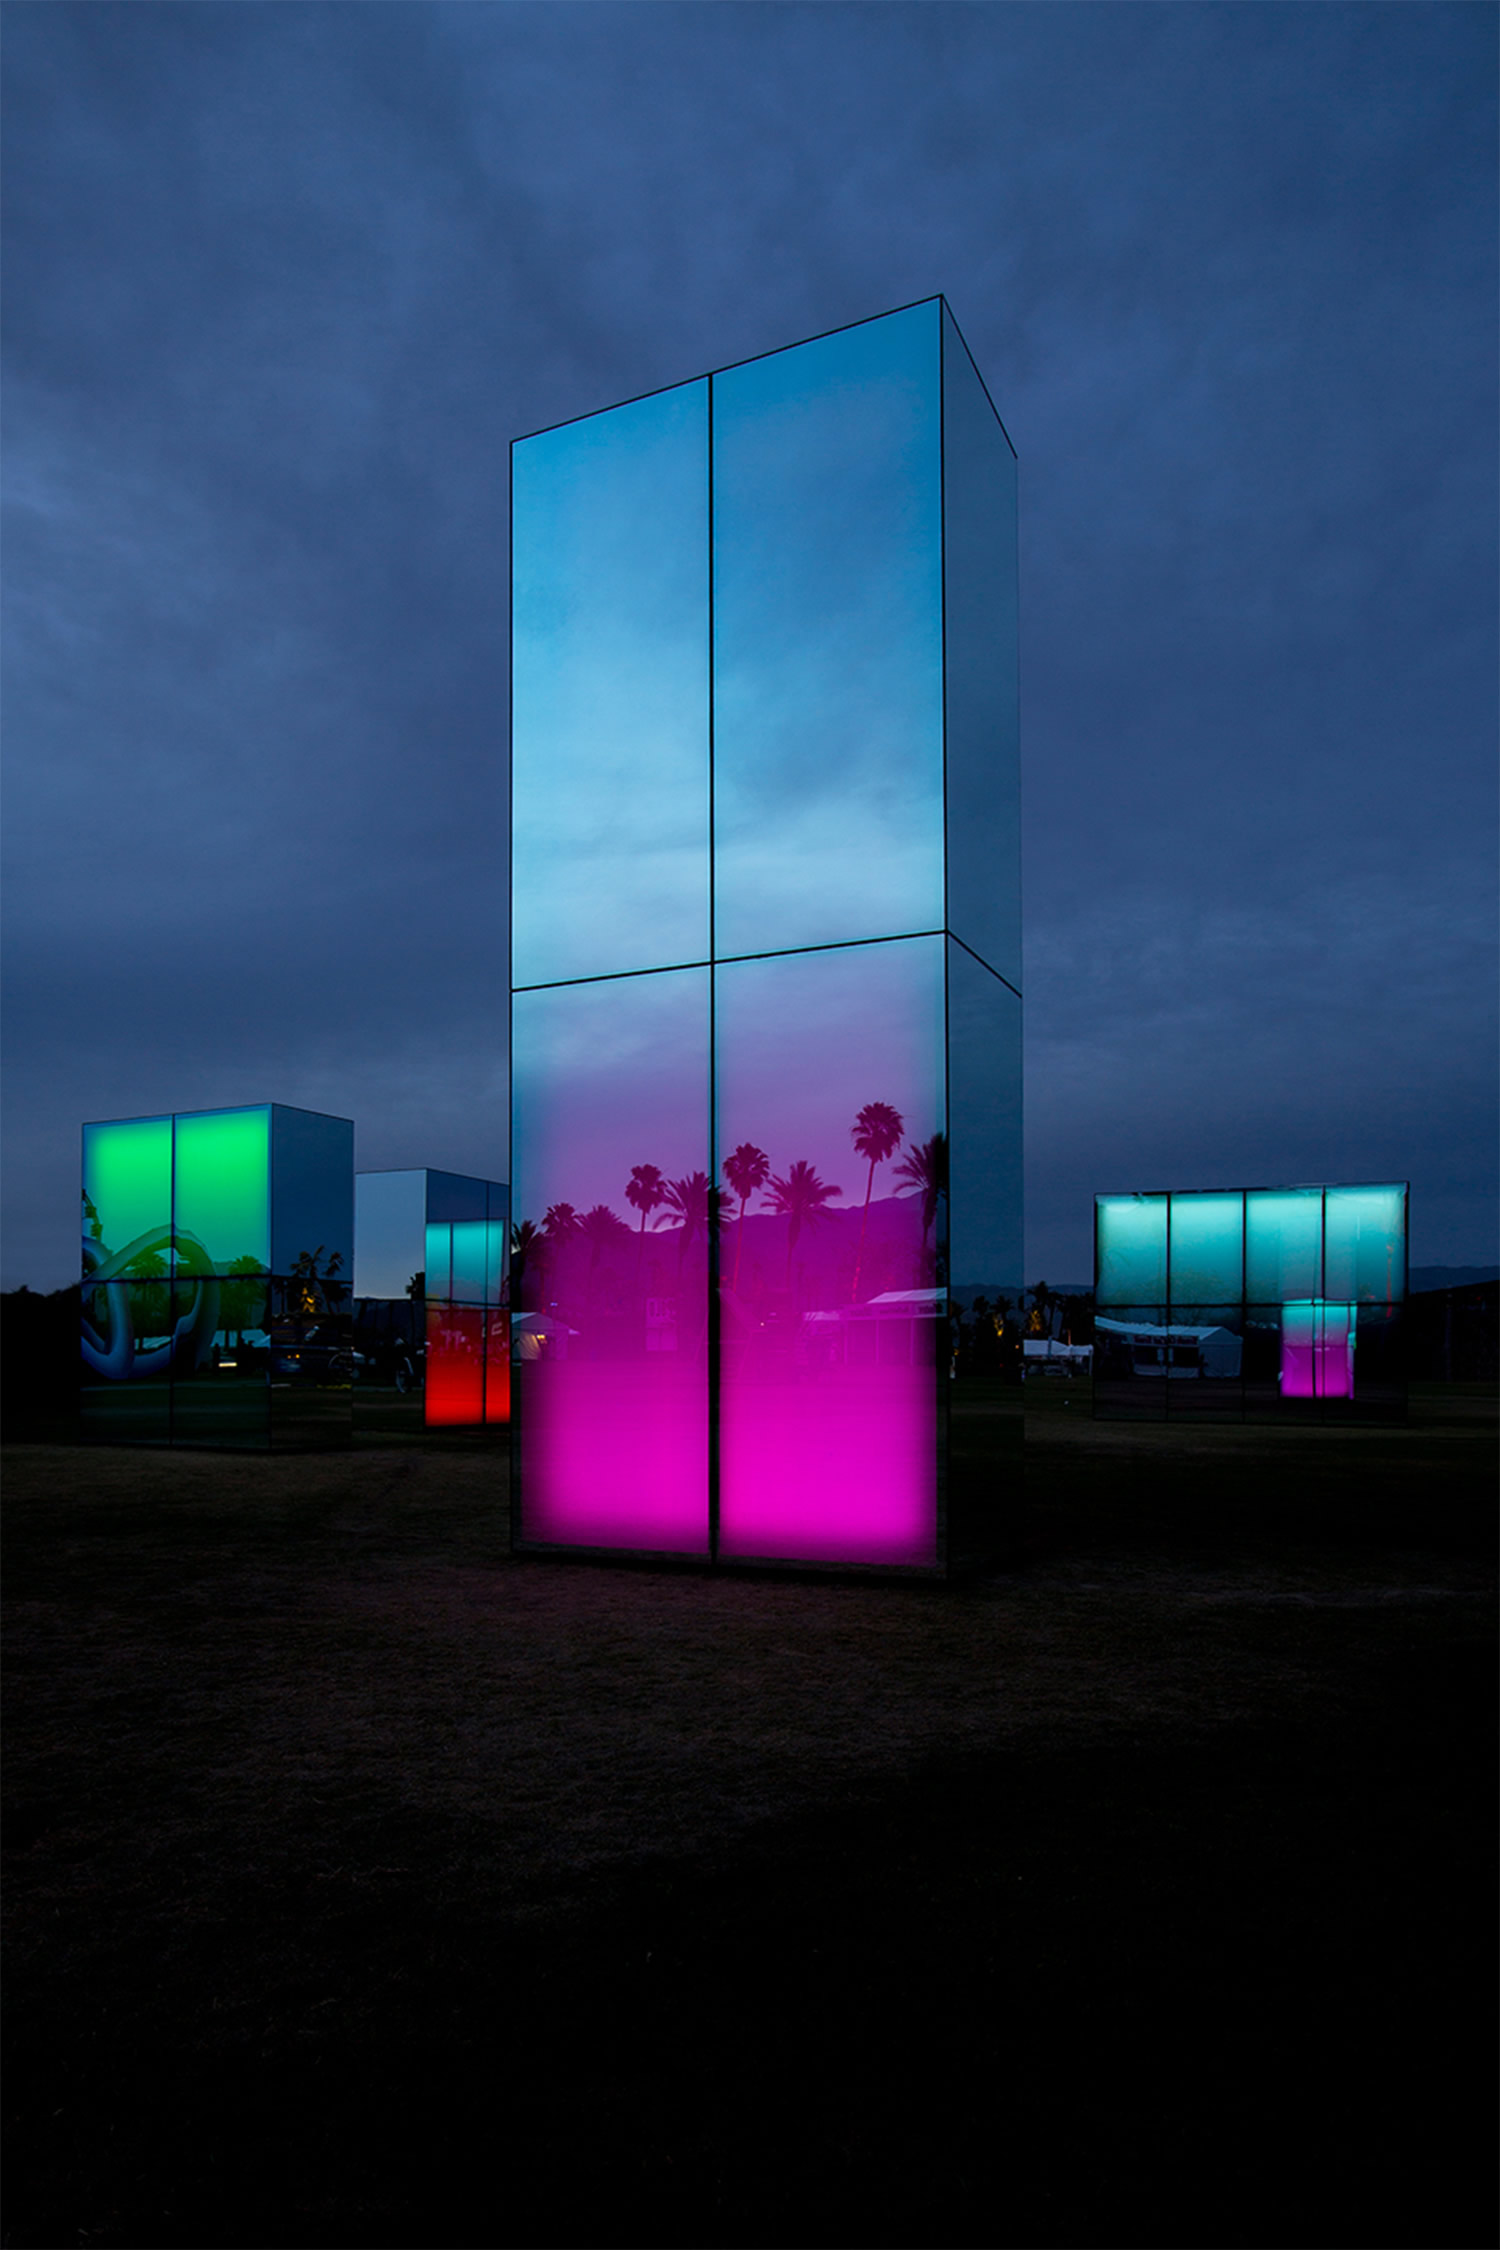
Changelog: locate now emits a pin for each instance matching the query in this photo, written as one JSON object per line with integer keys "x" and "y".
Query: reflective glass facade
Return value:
{"x": 431, "y": 1301}
{"x": 765, "y": 1014}
{"x": 1251, "y": 1304}
{"x": 217, "y": 1255}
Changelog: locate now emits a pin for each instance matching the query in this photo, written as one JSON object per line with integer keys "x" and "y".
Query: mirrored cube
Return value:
{"x": 431, "y": 1311}
{"x": 209, "y": 1236}
{"x": 1260, "y": 1303}
{"x": 765, "y": 1011}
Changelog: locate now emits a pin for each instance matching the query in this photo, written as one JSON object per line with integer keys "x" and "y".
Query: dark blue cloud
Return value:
{"x": 282, "y": 284}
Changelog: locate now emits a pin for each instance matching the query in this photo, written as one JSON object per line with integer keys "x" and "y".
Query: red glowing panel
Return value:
{"x": 497, "y": 1369}
{"x": 455, "y": 1364}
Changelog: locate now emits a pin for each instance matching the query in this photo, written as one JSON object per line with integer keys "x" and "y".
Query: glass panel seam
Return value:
{"x": 771, "y": 953}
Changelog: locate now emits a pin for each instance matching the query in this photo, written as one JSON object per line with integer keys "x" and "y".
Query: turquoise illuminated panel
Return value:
{"x": 222, "y": 1191}
{"x": 437, "y": 1261}
{"x": 1207, "y": 1249}
{"x": 1307, "y": 1322}
{"x": 1283, "y": 1244}
{"x": 1364, "y": 1244}
{"x": 1132, "y": 1249}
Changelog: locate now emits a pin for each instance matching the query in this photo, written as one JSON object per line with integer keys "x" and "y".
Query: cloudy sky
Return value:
{"x": 283, "y": 282}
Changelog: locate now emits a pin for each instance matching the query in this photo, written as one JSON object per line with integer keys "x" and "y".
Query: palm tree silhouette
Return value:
{"x": 746, "y": 1170}
{"x": 800, "y": 1199}
{"x": 645, "y": 1189}
{"x": 601, "y": 1228}
{"x": 925, "y": 1168}
{"x": 696, "y": 1203}
{"x": 526, "y": 1249}
{"x": 876, "y": 1133}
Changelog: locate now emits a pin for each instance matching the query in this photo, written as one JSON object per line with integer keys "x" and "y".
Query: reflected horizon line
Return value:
{"x": 768, "y": 953}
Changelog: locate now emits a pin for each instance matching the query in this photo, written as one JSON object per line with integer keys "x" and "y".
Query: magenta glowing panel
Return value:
{"x": 609, "y": 1279}
{"x": 1317, "y": 1349}
{"x": 831, "y": 1134}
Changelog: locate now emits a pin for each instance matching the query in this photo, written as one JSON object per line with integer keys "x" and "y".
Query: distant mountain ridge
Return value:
{"x": 1449, "y": 1277}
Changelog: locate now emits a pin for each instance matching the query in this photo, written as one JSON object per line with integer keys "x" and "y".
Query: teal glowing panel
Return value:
{"x": 1279, "y": 1301}
{"x": 1207, "y": 1261}
{"x": 609, "y": 805}
{"x": 1364, "y": 1244}
{"x": 1132, "y": 1250}
{"x": 1283, "y": 1244}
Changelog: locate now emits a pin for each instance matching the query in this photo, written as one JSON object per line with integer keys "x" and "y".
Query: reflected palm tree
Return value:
{"x": 526, "y": 1251}
{"x": 644, "y": 1190}
{"x": 696, "y": 1204}
{"x": 801, "y": 1199}
{"x": 746, "y": 1170}
{"x": 924, "y": 1168}
{"x": 602, "y": 1229}
{"x": 876, "y": 1134}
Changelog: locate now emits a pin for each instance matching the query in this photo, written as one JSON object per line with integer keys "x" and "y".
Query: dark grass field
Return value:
{"x": 367, "y": 1887}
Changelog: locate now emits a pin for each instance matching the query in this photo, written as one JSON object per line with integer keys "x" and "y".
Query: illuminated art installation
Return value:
{"x": 766, "y": 1019}
{"x": 1246, "y": 1303}
{"x": 431, "y": 1332}
{"x": 217, "y": 1247}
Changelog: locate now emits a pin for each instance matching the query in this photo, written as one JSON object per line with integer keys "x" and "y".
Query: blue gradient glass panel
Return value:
{"x": 830, "y": 1067}
{"x": 389, "y": 1244}
{"x": 127, "y": 1197}
{"x": 1207, "y": 1249}
{"x": 221, "y": 1190}
{"x": 611, "y": 1172}
{"x": 828, "y": 655}
{"x": 125, "y": 1394}
{"x": 609, "y": 805}
{"x": 1364, "y": 1244}
{"x": 312, "y": 1196}
{"x": 1283, "y": 1244}
{"x": 984, "y": 1100}
{"x": 1131, "y": 1250}
{"x": 983, "y": 753}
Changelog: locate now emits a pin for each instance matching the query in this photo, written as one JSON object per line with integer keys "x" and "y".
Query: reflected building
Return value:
{"x": 766, "y": 1014}
{"x": 217, "y": 1255}
{"x": 1251, "y": 1304}
{"x": 431, "y": 1320}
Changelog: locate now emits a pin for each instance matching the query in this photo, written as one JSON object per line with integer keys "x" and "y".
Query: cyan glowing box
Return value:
{"x": 431, "y": 1319}
{"x": 217, "y": 1248}
{"x": 766, "y": 1017}
{"x": 1250, "y": 1303}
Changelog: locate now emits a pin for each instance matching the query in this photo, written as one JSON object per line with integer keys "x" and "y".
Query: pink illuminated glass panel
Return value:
{"x": 831, "y": 1258}
{"x": 610, "y": 1298}
{"x": 1317, "y": 1350}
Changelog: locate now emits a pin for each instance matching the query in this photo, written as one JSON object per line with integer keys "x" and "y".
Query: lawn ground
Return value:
{"x": 369, "y": 1887}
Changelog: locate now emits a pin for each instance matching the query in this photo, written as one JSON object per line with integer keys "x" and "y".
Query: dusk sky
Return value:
{"x": 282, "y": 283}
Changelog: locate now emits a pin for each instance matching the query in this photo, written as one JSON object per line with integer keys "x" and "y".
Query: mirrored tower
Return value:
{"x": 766, "y": 1015}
